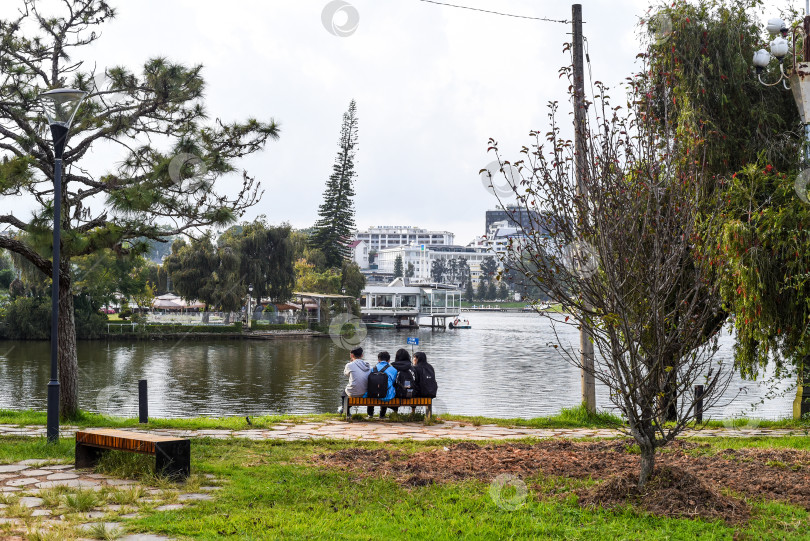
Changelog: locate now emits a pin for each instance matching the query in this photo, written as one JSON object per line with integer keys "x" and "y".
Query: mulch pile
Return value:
{"x": 688, "y": 481}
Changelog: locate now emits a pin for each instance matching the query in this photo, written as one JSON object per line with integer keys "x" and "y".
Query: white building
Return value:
{"x": 422, "y": 259}
{"x": 358, "y": 252}
{"x": 379, "y": 238}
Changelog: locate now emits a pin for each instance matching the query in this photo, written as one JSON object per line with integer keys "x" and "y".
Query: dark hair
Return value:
{"x": 357, "y": 352}
{"x": 383, "y": 356}
{"x": 420, "y": 357}
{"x": 402, "y": 355}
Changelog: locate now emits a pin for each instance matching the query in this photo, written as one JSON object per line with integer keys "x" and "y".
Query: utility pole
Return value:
{"x": 585, "y": 344}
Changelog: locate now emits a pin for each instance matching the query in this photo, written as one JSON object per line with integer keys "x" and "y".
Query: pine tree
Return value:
{"x": 470, "y": 294}
{"x": 336, "y": 214}
{"x": 398, "y": 267}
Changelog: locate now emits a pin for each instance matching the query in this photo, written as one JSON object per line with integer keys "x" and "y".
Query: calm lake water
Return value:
{"x": 502, "y": 367}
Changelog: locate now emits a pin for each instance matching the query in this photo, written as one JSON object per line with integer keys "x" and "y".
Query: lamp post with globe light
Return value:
{"x": 800, "y": 86}
{"x": 60, "y": 106}
{"x": 798, "y": 74}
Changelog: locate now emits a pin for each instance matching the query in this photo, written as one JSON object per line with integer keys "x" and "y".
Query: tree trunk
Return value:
{"x": 68, "y": 363}
{"x": 647, "y": 465}
{"x": 205, "y": 315}
{"x": 228, "y": 317}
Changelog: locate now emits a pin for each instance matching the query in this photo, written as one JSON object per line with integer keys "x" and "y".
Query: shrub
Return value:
{"x": 257, "y": 326}
{"x": 28, "y": 318}
{"x": 6, "y": 277}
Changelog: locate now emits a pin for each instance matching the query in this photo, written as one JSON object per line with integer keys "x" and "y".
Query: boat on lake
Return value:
{"x": 460, "y": 324}
{"x": 379, "y": 325}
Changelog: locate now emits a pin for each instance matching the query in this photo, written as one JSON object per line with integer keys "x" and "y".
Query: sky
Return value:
{"x": 432, "y": 83}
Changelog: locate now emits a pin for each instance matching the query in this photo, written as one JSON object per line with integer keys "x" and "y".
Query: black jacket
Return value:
{"x": 403, "y": 365}
{"x": 425, "y": 380}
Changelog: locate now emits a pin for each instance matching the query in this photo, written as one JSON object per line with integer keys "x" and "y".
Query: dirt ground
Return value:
{"x": 689, "y": 480}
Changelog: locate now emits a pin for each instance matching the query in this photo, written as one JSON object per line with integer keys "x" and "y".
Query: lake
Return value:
{"x": 503, "y": 367}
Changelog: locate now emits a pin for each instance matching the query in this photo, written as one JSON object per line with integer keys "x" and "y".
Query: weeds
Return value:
{"x": 127, "y": 496}
{"x": 100, "y": 530}
{"x": 82, "y": 500}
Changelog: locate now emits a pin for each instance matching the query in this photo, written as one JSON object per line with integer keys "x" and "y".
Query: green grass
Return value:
{"x": 576, "y": 417}
{"x": 88, "y": 420}
{"x": 271, "y": 490}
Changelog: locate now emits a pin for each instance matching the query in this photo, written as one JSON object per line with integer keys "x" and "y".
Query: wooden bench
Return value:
{"x": 172, "y": 455}
{"x": 351, "y": 401}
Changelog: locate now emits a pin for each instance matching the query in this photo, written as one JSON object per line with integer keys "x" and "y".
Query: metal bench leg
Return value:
{"x": 346, "y": 408}
{"x": 87, "y": 456}
{"x": 173, "y": 458}
{"x": 430, "y": 410}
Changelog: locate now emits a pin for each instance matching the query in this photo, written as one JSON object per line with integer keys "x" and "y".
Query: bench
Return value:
{"x": 351, "y": 401}
{"x": 172, "y": 455}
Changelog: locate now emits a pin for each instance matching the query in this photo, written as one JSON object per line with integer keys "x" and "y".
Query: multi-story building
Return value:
{"x": 388, "y": 236}
{"x": 422, "y": 259}
{"x": 516, "y": 217}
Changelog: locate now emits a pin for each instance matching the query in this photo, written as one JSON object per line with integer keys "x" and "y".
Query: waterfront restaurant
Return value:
{"x": 404, "y": 304}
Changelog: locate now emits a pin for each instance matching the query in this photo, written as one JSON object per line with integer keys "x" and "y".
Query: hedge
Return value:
{"x": 256, "y": 326}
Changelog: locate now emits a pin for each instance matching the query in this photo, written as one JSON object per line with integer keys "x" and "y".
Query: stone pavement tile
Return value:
{"x": 94, "y": 514}
{"x": 41, "y": 513}
{"x": 30, "y": 502}
{"x": 61, "y": 476}
{"x": 29, "y": 473}
{"x": 4, "y": 476}
{"x": 12, "y": 521}
{"x": 107, "y": 525}
{"x": 130, "y": 515}
{"x": 119, "y": 482}
{"x": 210, "y": 489}
{"x": 9, "y": 489}
{"x": 169, "y": 507}
{"x": 59, "y": 467}
{"x": 12, "y": 468}
{"x": 194, "y": 497}
{"x": 22, "y": 482}
{"x": 73, "y": 483}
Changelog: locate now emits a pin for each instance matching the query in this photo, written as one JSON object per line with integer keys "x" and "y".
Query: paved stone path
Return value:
{"x": 35, "y": 495}
{"x": 386, "y": 431}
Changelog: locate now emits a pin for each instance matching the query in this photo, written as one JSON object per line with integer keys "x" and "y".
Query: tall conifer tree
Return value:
{"x": 336, "y": 214}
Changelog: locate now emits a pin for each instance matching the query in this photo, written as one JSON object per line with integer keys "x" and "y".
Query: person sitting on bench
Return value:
{"x": 358, "y": 370}
{"x": 382, "y": 361}
{"x": 426, "y": 385}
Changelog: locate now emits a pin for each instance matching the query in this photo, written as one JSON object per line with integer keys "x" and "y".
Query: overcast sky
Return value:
{"x": 432, "y": 85}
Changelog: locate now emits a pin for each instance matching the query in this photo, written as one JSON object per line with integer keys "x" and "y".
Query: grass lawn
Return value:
{"x": 576, "y": 417}
{"x": 272, "y": 490}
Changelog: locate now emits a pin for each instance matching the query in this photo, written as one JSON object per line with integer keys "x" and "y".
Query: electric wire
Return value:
{"x": 498, "y": 12}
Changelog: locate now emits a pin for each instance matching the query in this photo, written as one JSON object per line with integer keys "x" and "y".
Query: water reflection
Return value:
{"x": 502, "y": 367}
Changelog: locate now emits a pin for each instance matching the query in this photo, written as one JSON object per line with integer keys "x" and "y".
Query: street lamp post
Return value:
{"x": 60, "y": 106}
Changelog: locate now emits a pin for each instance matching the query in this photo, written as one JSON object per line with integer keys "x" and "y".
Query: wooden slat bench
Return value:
{"x": 172, "y": 455}
{"x": 352, "y": 401}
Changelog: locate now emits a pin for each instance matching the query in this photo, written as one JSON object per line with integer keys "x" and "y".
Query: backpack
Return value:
{"x": 427, "y": 381}
{"x": 404, "y": 384}
{"x": 378, "y": 382}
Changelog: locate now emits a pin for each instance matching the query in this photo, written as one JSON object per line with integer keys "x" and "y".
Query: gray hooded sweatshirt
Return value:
{"x": 358, "y": 371}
